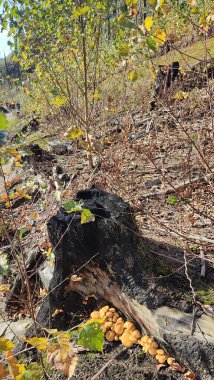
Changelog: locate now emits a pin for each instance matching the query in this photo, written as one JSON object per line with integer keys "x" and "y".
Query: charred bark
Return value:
{"x": 119, "y": 267}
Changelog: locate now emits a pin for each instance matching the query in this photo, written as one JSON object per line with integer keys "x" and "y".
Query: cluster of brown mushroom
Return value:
{"x": 150, "y": 346}
{"x": 115, "y": 328}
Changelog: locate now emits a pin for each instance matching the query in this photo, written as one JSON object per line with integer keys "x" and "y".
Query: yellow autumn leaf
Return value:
{"x": 160, "y": 37}
{"x": 15, "y": 59}
{"x": 58, "y": 101}
{"x": 33, "y": 215}
{"x": 40, "y": 343}
{"x": 133, "y": 75}
{"x": 4, "y": 288}
{"x": 131, "y": 3}
{"x": 96, "y": 96}
{"x": 153, "y": 3}
{"x": 24, "y": 55}
{"x": 6, "y": 344}
{"x": 17, "y": 164}
{"x": 74, "y": 133}
{"x": 26, "y": 90}
{"x": 7, "y": 170}
{"x": 15, "y": 154}
{"x": 181, "y": 95}
{"x": 15, "y": 369}
{"x": 148, "y": 23}
{"x": 160, "y": 3}
{"x": 49, "y": 251}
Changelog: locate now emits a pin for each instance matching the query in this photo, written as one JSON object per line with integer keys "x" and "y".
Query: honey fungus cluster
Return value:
{"x": 116, "y": 328}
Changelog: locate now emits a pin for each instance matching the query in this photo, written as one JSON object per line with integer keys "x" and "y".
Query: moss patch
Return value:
{"x": 206, "y": 295}
{"x": 162, "y": 271}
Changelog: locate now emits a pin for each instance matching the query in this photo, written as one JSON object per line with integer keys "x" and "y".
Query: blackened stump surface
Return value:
{"x": 121, "y": 270}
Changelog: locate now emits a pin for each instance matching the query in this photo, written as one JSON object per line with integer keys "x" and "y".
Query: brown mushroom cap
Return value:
{"x": 154, "y": 344}
{"x": 160, "y": 351}
{"x": 109, "y": 314}
{"x": 108, "y": 325}
{"x": 170, "y": 361}
{"x": 161, "y": 358}
{"x": 136, "y": 334}
{"x": 110, "y": 335}
{"x": 152, "y": 351}
{"x": 132, "y": 339}
{"x": 129, "y": 326}
{"x": 118, "y": 328}
{"x": 146, "y": 348}
{"x": 95, "y": 314}
{"x": 103, "y": 311}
{"x": 112, "y": 309}
{"x": 126, "y": 341}
{"x": 144, "y": 339}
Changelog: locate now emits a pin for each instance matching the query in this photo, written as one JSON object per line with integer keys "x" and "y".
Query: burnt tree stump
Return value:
{"x": 122, "y": 268}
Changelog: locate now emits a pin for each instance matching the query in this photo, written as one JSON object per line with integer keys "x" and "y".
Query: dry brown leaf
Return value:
{"x": 190, "y": 375}
{"x": 177, "y": 367}
{"x": 61, "y": 356}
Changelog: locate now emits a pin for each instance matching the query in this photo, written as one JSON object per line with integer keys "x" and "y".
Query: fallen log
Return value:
{"x": 119, "y": 267}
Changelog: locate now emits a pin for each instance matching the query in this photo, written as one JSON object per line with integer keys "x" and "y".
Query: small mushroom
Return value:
{"x": 110, "y": 335}
{"x": 150, "y": 340}
{"x": 129, "y": 326}
{"x": 109, "y": 314}
{"x": 160, "y": 351}
{"x": 119, "y": 329}
{"x": 112, "y": 309}
{"x": 146, "y": 348}
{"x": 136, "y": 334}
{"x": 170, "y": 361}
{"x": 114, "y": 318}
{"x": 154, "y": 344}
{"x": 152, "y": 351}
{"x": 161, "y": 358}
{"x": 103, "y": 311}
{"x": 108, "y": 325}
{"x": 126, "y": 341}
{"x": 144, "y": 339}
{"x": 95, "y": 314}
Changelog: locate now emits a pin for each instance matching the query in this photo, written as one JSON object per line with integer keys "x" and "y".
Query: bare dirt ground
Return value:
{"x": 162, "y": 162}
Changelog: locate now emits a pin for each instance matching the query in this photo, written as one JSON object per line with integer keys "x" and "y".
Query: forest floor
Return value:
{"x": 162, "y": 163}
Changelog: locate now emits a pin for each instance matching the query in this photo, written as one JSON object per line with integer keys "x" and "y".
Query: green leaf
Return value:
{"x": 74, "y": 133}
{"x": 87, "y": 216}
{"x": 127, "y": 23}
{"x": 152, "y": 43}
{"x": 33, "y": 371}
{"x": 123, "y": 49}
{"x": 80, "y": 11}
{"x": 22, "y": 233}
{"x": 3, "y": 121}
{"x": 172, "y": 200}
{"x": 91, "y": 336}
{"x": 72, "y": 206}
